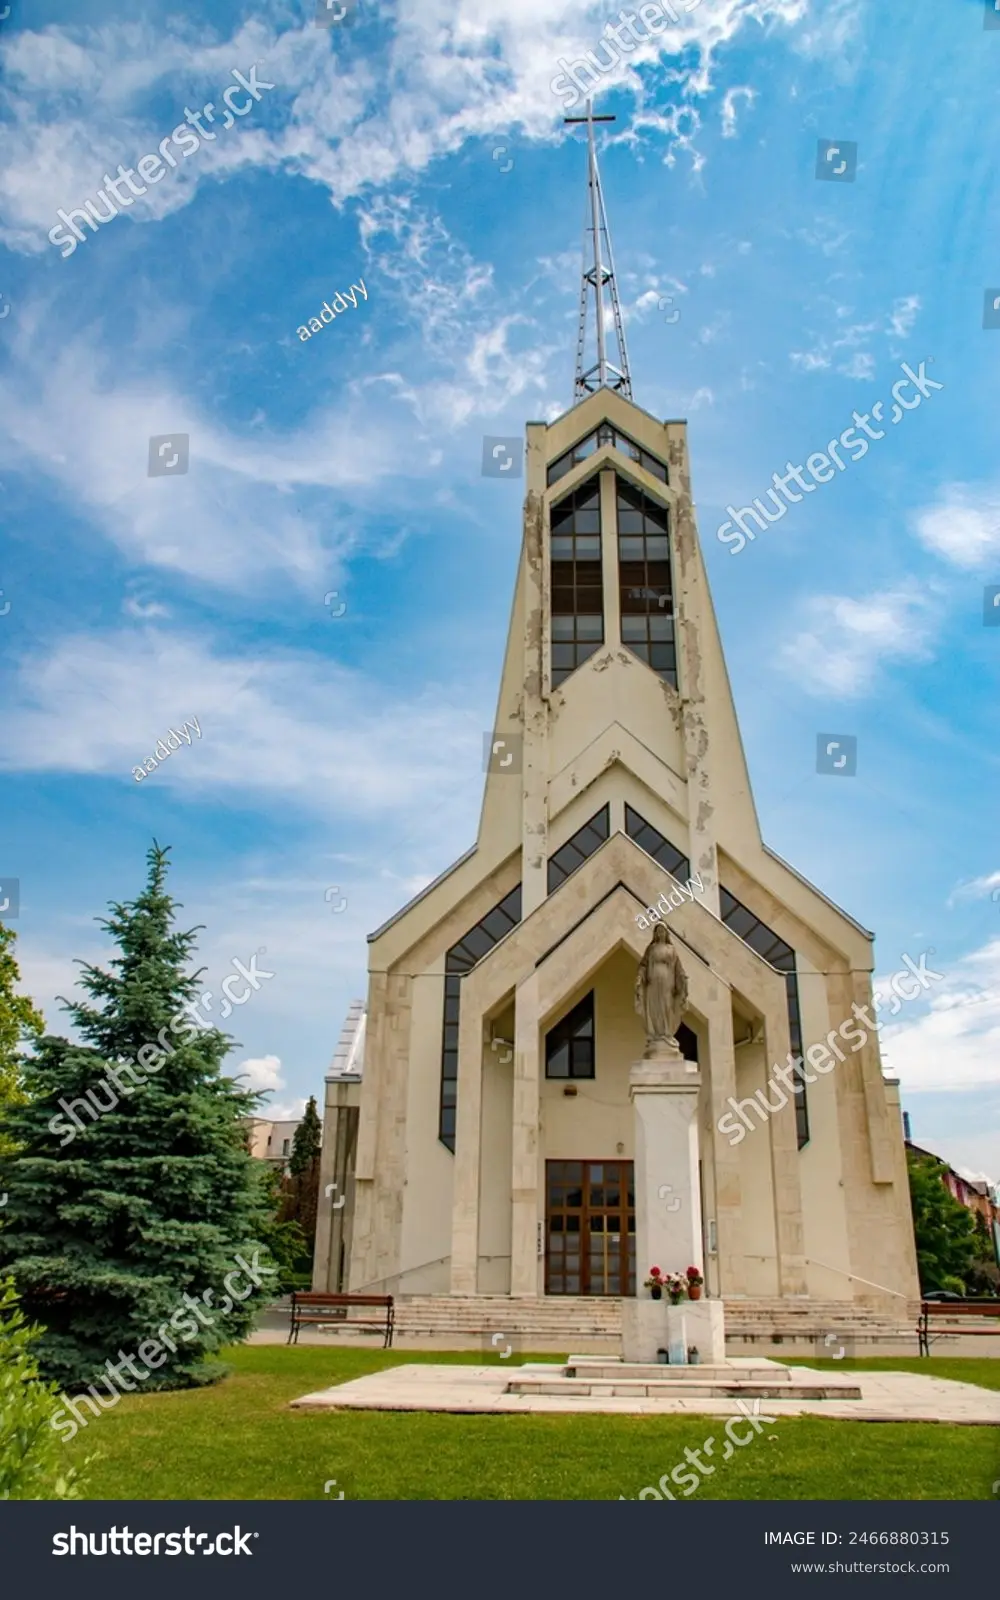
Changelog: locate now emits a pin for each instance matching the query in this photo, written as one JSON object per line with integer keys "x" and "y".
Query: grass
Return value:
{"x": 239, "y": 1441}
{"x": 984, "y": 1371}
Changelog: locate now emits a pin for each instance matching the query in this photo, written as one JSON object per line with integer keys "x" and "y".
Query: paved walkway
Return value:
{"x": 885, "y": 1396}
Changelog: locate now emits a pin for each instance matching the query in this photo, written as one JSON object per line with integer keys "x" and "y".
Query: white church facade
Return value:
{"x": 486, "y": 1145}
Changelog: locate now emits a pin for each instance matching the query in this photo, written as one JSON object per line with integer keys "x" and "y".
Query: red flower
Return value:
{"x": 654, "y": 1272}
{"x": 692, "y": 1272}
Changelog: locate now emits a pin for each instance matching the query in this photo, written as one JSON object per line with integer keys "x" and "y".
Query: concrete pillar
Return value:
{"x": 525, "y": 1152}
{"x": 664, "y": 1092}
{"x": 664, "y": 1095}
{"x": 728, "y": 1205}
{"x": 468, "y": 1152}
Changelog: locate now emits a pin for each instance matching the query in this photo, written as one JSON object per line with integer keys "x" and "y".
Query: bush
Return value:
{"x": 30, "y": 1452}
{"x": 956, "y": 1285}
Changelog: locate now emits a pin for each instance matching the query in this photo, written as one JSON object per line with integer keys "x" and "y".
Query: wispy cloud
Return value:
{"x": 846, "y": 640}
{"x": 963, "y": 526}
{"x": 955, "y": 1044}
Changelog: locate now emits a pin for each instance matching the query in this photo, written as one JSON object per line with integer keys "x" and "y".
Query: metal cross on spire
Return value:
{"x": 598, "y": 275}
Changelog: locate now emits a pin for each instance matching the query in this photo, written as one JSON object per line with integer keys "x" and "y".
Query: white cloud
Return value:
{"x": 846, "y": 640}
{"x": 260, "y": 1073}
{"x": 903, "y": 315}
{"x": 283, "y": 1110}
{"x": 963, "y": 527}
{"x": 861, "y": 365}
{"x": 275, "y": 725}
{"x": 955, "y": 1044}
{"x": 975, "y": 889}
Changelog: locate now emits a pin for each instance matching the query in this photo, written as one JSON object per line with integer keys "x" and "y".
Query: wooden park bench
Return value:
{"x": 957, "y": 1311}
{"x": 334, "y": 1309}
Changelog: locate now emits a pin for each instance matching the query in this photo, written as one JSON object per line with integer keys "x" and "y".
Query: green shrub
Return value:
{"x": 31, "y": 1454}
{"x": 956, "y": 1285}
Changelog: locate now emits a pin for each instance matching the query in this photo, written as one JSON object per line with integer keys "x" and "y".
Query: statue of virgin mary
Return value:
{"x": 661, "y": 992}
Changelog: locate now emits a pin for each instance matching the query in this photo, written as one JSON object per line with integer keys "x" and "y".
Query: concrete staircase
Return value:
{"x": 819, "y": 1326}
{"x": 584, "y": 1377}
{"x": 557, "y": 1319}
{"x": 566, "y": 1322}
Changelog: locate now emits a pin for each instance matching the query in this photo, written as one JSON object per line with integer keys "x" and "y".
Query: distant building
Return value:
{"x": 272, "y": 1141}
{"x": 976, "y": 1194}
{"x": 335, "y": 1218}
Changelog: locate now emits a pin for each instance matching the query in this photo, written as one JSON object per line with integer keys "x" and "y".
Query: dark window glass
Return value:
{"x": 779, "y": 954}
{"x": 461, "y": 958}
{"x": 645, "y": 580}
{"x": 576, "y": 582}
{"x": 655, "y": 845}
{"x": 569, "y": 1046}
{"x": 606, "y": 435}
{"x": 576, "y": 850}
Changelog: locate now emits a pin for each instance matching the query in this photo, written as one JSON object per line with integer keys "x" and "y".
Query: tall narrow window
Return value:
{"x": 577, "y": 589}
{"x": 569, "y": 1046}
{"x": 647, "y": 604}
{"x": 461, "y": 958}
{"x": 780, "y": 955}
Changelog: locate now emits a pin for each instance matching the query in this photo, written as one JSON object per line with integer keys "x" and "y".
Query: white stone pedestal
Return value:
{"x": 664, "y": 1094}
{"x": 649, "y": 1326}
{"x": 664, "y": 1091}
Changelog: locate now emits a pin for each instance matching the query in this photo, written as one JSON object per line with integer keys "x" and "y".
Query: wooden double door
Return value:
{"x": 589, "y": 1227}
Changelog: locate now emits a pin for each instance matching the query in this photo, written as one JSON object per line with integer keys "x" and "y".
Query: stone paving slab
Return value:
{"x": 885, "y": 1397}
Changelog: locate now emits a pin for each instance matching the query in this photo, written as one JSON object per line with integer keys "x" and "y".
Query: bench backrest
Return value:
{"x": 962, "y": 1308}
{"x": 304, "y": 1299}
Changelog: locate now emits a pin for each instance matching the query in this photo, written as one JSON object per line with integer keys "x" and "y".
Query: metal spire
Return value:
{"x": 597, "y": 277}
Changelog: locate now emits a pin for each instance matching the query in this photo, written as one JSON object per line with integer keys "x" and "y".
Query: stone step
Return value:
{"x": 643, "y": 1372}
{"x": 687, "y": 1388}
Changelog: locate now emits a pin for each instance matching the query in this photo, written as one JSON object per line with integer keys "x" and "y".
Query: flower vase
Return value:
{"x": 656, "y": 1294}
{"x": 694, "y": 1292}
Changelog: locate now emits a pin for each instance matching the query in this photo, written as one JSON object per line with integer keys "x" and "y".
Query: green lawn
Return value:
{"x": 239, "y": 1441}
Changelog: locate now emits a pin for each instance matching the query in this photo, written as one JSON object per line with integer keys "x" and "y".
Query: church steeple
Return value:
{"x": 598, "y": 276}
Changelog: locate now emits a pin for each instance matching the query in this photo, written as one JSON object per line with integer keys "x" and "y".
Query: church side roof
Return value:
{"x": 422, "y": 894}
{"x": 349, "y": 1056}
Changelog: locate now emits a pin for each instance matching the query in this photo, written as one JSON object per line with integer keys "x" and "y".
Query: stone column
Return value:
{"x": 524, "y": 1159}
{"x": 468, "y": 1152}
{"x": 664, "y": 1094}
{"x": 664, "y": 1090}
{"x": 728, "y": 1195}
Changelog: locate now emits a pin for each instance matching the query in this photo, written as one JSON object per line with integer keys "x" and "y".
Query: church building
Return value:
{"x": 481, "y": 1142}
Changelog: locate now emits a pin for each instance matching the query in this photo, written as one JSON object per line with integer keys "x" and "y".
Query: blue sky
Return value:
{"x": 340, "y": 751}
